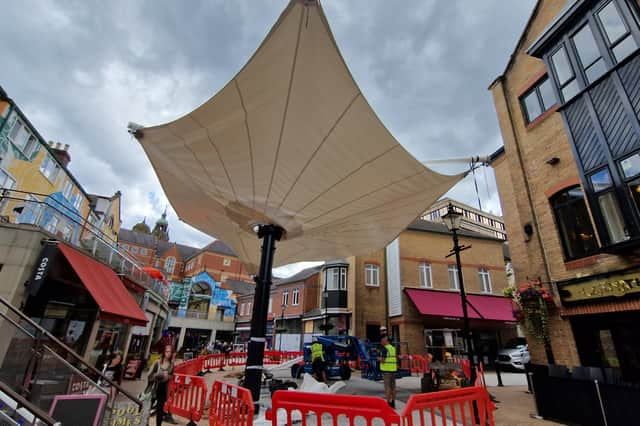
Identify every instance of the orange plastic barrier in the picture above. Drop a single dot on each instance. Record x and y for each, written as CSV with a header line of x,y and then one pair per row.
x,y
404,362
189,368
236,358
418,364
230,405
449,407
212,362
345,407
187,396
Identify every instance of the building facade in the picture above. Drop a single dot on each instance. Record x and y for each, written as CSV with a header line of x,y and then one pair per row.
x,y
472,219
568,105
76,232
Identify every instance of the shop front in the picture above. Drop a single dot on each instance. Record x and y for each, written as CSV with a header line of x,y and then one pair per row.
x,y
491,323
604,311
81,301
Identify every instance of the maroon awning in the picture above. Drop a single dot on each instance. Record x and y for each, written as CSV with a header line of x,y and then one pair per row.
x,y
448,304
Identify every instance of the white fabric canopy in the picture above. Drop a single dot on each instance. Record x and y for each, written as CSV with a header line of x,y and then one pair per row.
x,y
291,141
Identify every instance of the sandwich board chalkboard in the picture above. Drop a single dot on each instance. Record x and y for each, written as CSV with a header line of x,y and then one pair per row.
x,y
78,409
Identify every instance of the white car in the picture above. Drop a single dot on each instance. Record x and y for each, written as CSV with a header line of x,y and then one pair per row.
x,y
514,354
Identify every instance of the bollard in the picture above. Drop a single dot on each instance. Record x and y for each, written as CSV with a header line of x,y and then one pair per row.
x,y
498,375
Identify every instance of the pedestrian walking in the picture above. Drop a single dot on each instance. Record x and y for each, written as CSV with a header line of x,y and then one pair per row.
x,y
113,372
161,373
389,367
318,364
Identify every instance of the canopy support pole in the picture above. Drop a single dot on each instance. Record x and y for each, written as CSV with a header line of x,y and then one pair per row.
x,y
255,353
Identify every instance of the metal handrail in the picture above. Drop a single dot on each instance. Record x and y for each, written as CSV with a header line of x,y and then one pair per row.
x,y
137,273
34,409
69,351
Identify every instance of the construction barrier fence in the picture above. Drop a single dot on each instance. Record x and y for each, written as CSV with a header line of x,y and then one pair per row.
x,y
454,406
187,396
230,405
292,406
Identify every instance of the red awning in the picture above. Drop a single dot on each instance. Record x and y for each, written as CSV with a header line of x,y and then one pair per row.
x,y
448,304
113,299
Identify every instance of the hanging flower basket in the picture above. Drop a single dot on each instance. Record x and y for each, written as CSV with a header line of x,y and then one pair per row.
x,y
534,301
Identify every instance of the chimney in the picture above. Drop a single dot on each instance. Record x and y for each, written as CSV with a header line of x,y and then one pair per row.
x,y
62,154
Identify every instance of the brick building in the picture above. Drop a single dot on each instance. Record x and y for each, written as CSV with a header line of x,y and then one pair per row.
x,y
421,308
568,105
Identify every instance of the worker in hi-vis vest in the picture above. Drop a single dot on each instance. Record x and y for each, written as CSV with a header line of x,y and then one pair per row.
x,y
317,361
389,367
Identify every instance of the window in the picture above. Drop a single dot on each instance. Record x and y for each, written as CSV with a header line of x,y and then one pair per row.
x,y
143,251
424,269
270,309
125,247
454,283
68,188
52,226
158,263
573,223
169,264
335,279
285,297
248,309
50,168
631,171
564,74
241,310
67,231
588,53
372,275
135,250
608,204
6,181
296,297
485,280
77,203
226,262
22,137
617,34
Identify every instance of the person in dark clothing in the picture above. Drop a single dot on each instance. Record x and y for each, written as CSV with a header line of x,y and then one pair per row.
x,y
113,372
226,350
161,372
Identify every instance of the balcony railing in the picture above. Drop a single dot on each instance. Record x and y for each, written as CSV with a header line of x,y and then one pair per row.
x,y
59,218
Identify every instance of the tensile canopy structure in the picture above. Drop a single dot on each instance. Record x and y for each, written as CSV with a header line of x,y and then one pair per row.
x,y
290,150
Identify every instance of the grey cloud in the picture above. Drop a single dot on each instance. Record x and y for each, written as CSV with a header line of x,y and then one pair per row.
x,y
82,69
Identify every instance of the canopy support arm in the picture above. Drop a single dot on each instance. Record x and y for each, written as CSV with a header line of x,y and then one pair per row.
x,y
255,353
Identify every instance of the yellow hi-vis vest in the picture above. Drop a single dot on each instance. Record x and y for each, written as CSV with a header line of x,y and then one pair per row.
x,y
316,351
389,364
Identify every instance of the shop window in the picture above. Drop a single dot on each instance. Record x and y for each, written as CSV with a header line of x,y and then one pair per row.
x,y
608,205
590,58
424,269
617,34
296,297
631,171
565,76
536,101
573,223
170,264
52,226
485,280
454,283
372,275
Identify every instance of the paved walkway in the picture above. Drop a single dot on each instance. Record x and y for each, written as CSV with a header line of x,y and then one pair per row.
x,y
515,407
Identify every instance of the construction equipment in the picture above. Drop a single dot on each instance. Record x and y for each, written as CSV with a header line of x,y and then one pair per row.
x,y
340,352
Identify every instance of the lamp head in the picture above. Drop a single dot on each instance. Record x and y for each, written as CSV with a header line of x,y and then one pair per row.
x,y
452,219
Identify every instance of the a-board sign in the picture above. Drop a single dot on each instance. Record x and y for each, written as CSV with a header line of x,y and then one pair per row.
x,y
78,409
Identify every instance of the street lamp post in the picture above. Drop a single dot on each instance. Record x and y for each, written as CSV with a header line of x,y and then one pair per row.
x,y
282,329
452,221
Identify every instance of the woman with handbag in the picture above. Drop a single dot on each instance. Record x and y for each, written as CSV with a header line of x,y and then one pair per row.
x,y
159,376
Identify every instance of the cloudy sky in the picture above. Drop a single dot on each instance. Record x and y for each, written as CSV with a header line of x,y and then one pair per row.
x,y
80,70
